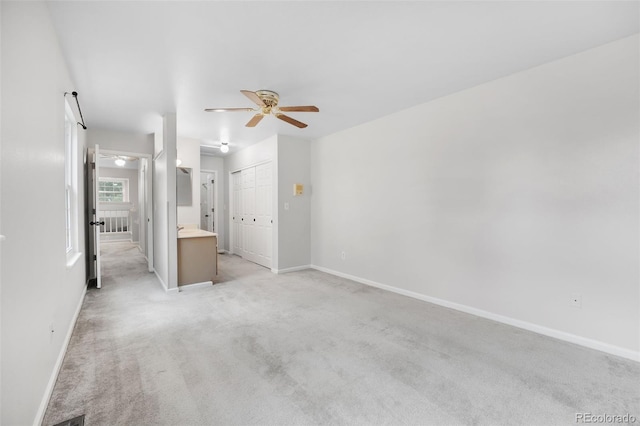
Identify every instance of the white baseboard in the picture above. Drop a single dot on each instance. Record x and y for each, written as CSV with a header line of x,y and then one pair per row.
x,y
164,285
185,287
561,335
58,365
292,269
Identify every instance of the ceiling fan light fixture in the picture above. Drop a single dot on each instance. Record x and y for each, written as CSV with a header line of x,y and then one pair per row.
x,y
120,162
224,147
267,103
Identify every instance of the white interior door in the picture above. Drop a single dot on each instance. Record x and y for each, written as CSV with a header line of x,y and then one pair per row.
x,y
252,214
263,215
207,202
236,214
96,215
248,217
148,210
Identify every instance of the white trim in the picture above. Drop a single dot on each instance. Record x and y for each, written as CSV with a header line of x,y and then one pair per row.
x,y
216,224
72,258
248,166
292,269
164,286
232,232
550,332
56,369
158,155
194,285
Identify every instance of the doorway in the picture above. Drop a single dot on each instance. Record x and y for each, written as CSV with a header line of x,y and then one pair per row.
x,y
208,201
119,205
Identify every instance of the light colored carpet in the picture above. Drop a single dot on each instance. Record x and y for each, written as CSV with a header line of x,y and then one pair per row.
x,y
310,348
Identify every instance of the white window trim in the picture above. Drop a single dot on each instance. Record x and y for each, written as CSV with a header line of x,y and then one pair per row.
x,y
71,187
125,189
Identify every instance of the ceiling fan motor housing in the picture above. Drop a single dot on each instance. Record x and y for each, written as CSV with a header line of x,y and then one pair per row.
x,y
270,98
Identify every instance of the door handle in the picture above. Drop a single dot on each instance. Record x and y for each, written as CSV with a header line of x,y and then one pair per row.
x,y
97,223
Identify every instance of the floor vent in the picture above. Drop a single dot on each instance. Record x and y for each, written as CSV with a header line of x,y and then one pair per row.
x,y
76,421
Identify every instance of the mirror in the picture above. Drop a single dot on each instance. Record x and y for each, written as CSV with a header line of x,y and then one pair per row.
x,y
183,186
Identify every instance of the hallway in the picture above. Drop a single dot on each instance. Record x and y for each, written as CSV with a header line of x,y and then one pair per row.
x,y
125,358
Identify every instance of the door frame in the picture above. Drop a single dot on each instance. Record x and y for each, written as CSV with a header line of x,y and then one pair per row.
x,y
148,204
214,200
274,206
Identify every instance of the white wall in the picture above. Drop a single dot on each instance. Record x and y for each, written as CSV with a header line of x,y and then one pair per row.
x,y
507,198
160,219
216,164
38,290
0,223
294,224
124,142
132,175
189,153
142,217
165,243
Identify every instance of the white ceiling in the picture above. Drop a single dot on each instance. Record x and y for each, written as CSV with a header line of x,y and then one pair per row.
x,y
355,60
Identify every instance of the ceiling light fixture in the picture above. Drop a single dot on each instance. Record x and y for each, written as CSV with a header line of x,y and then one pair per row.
x,y
178,162
224,147
120,162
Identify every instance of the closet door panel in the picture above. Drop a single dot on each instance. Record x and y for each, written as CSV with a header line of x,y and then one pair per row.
x,y
237,213
248,213
253,213
264,206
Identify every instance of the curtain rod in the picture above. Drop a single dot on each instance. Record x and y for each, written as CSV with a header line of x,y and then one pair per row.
x,y
75,95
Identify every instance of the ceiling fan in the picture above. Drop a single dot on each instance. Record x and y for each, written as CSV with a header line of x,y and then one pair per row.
x,y
120,160
267,101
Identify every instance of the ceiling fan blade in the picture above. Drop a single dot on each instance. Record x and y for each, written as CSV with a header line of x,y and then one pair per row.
x,y
291,121
254,97
228,109
307,108
255,120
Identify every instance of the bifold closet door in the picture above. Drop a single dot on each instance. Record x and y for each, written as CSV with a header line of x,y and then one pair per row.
x,y
253,214
248,217
263,215
237,213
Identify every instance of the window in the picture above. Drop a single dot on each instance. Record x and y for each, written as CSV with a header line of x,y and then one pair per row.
x,y
71,182
113,190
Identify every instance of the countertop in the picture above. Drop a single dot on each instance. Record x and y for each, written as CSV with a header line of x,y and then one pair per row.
x,y
195,233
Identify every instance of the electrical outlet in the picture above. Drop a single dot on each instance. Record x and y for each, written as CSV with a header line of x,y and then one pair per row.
x,y
576,300
343,255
